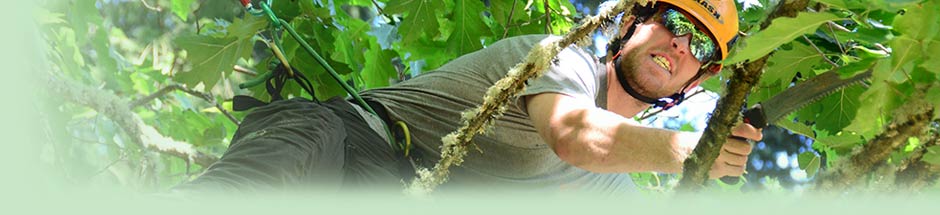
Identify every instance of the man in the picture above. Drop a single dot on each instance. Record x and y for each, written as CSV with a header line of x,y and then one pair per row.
x,y
569,131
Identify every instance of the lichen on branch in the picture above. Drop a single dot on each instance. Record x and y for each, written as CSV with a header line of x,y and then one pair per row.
x,y
476,121
119,111
914,173
848,172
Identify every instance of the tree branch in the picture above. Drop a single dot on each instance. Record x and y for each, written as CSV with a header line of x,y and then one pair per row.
x,y
548,18
914,173
821,54
509,18
476,121
119,111
148,6
876,151
204,96
727,111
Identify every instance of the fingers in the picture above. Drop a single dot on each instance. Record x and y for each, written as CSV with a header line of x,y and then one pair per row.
x,y
737,146
721,169
747,131
732,160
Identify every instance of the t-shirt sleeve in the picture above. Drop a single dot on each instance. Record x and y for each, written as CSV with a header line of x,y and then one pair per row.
x,y
573,72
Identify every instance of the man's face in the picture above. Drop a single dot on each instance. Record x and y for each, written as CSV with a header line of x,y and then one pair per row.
x,y
655,61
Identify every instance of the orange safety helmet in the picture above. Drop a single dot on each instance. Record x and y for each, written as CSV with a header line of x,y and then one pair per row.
x,y
720,17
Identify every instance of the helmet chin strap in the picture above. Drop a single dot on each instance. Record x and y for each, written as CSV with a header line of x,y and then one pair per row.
x,y
665,103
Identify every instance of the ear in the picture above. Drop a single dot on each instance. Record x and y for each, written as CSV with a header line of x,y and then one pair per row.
x,y
714,68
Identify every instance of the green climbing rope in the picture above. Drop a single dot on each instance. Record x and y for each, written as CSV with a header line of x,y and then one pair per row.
x,y
277,24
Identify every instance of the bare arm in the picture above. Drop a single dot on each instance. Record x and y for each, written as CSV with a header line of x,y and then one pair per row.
x,y
601,141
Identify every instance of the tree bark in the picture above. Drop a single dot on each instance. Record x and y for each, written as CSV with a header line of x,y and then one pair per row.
x,y
875,152
915,173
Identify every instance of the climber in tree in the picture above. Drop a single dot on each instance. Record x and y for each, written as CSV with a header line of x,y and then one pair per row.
x,y
568,131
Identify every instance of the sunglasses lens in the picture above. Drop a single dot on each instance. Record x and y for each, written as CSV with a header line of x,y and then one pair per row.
x,y
701,45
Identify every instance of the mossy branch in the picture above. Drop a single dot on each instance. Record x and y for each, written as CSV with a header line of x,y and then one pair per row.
x,y
727,111
119,111
726,114
846,173
915,173
476,121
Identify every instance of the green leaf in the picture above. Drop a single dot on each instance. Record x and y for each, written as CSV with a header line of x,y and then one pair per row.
x,y
784,64
212,57
420,18
468,28
766,90
504,11
809,162
836,3
82,15
379,69
913,22
880,99
933,96
932,156
428,51
932,61
912,144
841,143
905,51
798,128
182,8
351,42
780,31
840,109
319,36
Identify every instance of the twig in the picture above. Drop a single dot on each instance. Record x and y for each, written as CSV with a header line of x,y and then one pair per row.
x,y
243,70
821,54
830,24
525,23
509,18
106,167
548,18
654,113
204,96
377,7
153,8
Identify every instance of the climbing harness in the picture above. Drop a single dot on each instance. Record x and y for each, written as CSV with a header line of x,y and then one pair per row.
x,y
277,78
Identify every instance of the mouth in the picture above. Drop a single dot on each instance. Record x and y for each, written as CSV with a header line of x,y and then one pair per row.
x,y
663,62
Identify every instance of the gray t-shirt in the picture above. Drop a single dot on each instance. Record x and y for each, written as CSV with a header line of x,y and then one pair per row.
x,y
512,155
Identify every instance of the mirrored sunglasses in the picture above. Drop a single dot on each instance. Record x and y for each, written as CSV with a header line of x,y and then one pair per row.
x,y
701,45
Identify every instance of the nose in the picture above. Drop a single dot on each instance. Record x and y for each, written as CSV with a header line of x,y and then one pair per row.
x,y
680,45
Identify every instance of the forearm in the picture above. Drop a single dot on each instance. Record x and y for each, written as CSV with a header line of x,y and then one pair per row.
x,y
601,141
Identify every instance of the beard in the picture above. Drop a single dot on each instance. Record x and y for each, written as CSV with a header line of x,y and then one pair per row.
x,y
642,84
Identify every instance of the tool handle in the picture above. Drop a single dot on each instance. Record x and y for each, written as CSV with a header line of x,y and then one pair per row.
x,y
755,117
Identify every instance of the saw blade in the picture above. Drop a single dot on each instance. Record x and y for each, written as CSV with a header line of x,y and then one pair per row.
x,y
807,92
